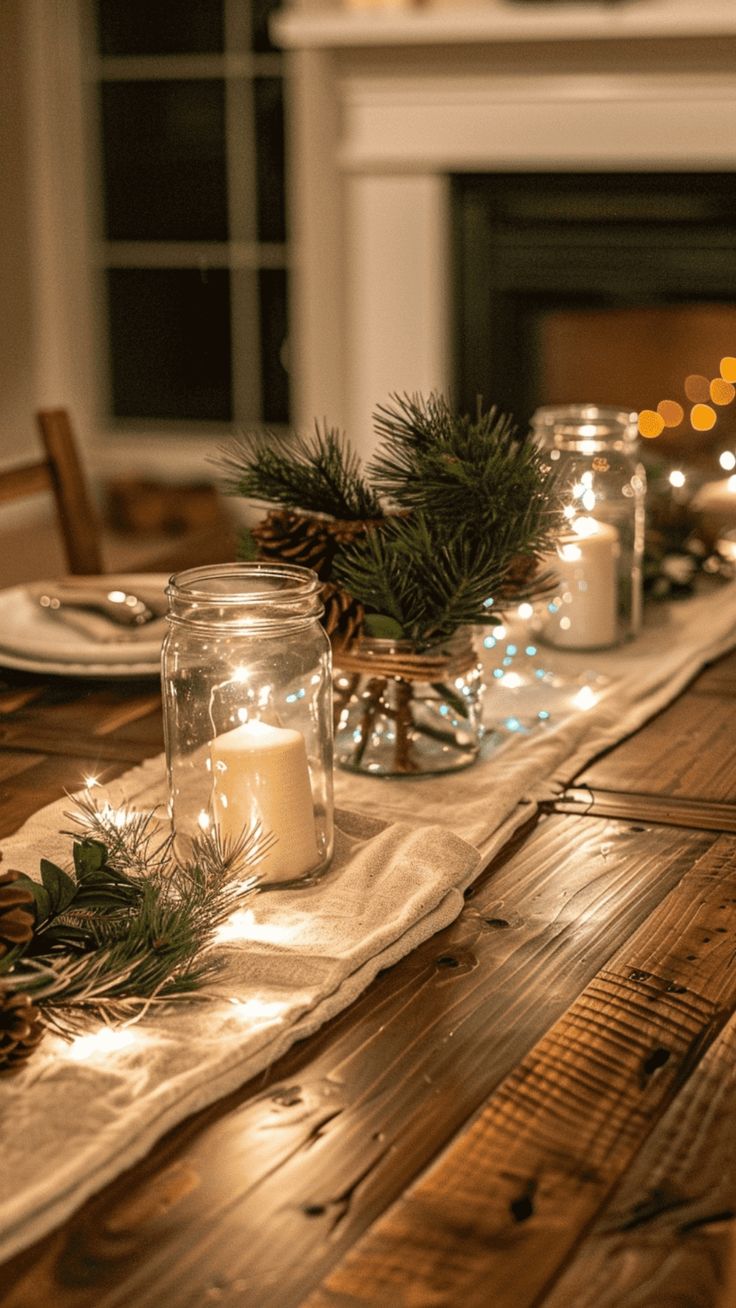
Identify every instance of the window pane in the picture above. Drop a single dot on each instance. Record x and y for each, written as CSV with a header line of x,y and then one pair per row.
x,y
269,117
260,12
170,343
164,160
132,27
272,285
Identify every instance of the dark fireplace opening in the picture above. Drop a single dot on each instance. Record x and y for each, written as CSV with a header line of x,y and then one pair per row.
x,y
611,288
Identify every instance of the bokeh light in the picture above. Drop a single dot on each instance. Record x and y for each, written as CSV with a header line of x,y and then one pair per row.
x,y
702,417
728,368
697,388
650,424
670,412
727,460
722,392
677,478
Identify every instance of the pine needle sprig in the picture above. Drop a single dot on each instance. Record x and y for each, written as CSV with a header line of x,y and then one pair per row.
x,y
320,473
476,472
426,583
132,926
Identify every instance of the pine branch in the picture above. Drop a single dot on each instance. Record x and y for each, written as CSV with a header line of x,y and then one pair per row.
x,y
133,926
319,474
427,583
478,474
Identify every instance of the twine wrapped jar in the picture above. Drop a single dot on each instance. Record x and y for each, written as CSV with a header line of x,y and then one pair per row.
x,y
400,713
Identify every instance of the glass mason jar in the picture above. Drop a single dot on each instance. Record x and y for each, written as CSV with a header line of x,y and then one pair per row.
x,y
399,713
246,676
599,558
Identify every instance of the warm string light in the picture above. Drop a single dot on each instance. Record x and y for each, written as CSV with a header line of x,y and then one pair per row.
x,y
703,393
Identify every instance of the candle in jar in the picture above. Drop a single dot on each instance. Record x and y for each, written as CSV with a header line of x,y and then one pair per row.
x,y
586,565
260,772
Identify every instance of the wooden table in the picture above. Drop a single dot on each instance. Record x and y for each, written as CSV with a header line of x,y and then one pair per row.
x,y
535,1107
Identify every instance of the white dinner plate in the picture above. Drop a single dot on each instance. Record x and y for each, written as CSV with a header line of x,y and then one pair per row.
x,y
36,641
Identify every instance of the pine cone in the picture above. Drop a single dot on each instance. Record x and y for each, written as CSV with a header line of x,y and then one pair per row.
x,y
21,1030
293,538
343,616
16,912
302,538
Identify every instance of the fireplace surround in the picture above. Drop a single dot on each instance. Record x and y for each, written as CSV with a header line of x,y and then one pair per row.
x,y
388,106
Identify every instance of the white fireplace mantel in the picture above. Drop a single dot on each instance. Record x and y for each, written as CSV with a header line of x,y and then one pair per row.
x,y
386,104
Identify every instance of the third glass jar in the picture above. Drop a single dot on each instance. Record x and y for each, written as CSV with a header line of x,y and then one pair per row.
x,y
600,554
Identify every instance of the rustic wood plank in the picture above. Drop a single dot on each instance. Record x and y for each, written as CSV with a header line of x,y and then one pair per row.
x,y
32,785
718,678
703,814
664,1237
505,1205
688,750
292,1169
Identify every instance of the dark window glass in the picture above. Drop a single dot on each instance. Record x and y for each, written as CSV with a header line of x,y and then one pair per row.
x,y
170,343
269,118
164,160
134,27
260,12
272,287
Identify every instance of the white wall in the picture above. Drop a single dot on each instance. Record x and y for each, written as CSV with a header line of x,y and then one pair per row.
x,y
17,325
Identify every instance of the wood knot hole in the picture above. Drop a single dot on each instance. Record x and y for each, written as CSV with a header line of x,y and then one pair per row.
x,y
447,960
314,1210
655,1060
497,922
522,1209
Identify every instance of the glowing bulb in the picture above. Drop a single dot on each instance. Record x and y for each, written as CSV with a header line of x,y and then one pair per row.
x,y
732,485
589,499
587,447
727,460
92,781
511,680
569,511
578,489
203,820
258,1010
588,429
677,478
240,675
242,715
585,698
117,596
108,1040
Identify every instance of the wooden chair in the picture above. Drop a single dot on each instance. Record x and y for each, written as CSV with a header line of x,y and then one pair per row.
x,y
61,473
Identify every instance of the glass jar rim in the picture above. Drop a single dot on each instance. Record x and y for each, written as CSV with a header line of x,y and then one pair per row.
x,y
300,583
586,421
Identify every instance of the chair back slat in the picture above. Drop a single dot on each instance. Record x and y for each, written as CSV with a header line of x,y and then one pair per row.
x,y
29,479
61,473
77,515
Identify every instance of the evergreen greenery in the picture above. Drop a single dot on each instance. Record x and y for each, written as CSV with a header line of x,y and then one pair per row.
x,y
131,926
319,473
467,508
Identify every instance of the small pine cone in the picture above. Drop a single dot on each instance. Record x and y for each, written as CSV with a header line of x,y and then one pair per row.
x,y
343,616
16,912
293,538
21,1029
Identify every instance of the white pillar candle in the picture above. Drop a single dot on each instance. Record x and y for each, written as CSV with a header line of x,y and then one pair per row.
x,y
260,772
586,564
